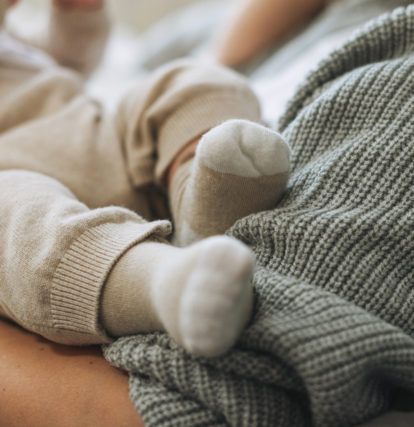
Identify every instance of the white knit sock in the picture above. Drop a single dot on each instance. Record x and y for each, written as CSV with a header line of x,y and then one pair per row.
x,y
201,295
239,168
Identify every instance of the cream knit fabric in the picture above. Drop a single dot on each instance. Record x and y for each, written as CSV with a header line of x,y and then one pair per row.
x,y
77,183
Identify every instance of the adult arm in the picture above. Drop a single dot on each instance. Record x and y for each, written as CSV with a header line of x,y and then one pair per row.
x,y
259,24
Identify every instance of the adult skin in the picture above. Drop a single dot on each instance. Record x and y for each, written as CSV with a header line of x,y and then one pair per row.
x,y
44,384
258,24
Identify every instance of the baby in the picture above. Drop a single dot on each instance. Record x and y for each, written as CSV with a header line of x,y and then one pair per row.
x,y
79,263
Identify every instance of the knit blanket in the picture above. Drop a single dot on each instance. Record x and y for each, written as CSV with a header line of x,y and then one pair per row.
x,y
332,336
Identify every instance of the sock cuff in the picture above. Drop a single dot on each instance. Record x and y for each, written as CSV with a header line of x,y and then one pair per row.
x,y
80,276
196,117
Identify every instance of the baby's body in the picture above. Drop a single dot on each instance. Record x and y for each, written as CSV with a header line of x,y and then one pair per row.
x,y
80,264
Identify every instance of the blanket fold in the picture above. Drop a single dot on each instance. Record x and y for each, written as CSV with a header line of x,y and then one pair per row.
x,y
333,333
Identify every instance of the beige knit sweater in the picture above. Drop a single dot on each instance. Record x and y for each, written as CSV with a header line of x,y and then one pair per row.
x,y
73,178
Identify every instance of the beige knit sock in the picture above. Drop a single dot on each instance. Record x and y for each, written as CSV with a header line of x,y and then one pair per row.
x,y
239,168
201,295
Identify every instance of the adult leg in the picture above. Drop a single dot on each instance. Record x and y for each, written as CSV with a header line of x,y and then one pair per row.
x,y
45,384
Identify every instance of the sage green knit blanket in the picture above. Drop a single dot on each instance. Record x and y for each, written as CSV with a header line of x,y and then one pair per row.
x,y
332,337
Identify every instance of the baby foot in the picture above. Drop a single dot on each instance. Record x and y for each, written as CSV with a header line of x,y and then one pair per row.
x,y
204,299
239,168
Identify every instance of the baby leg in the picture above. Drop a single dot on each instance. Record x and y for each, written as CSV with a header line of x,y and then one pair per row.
x,y
201,295
57,255
82,276
193,292
239,168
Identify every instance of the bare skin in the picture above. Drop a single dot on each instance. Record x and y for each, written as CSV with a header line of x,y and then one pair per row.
x,y
47,385
259,24
185,154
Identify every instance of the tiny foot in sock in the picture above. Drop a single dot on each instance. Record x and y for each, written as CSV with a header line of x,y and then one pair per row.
x,y
245,149
239,168
204,298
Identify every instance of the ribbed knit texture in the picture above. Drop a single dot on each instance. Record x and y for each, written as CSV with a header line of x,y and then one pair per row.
x,y
333,331
203,113
79,277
